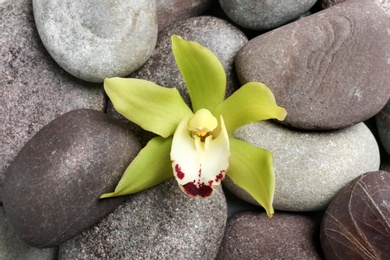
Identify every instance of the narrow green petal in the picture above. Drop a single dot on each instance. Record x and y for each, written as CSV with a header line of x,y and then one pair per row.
x,y
154,108
202,72
251,103
251,169
151,167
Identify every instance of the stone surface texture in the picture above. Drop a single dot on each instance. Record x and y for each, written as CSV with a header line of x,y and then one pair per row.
x,y
158,223
52,188
356,223
34,89
329,70
12,247
384,4
382,120
252,235
310,167
171,11
93,40
264,15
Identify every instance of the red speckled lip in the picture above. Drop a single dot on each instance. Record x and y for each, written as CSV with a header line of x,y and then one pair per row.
x,y
179,173
202,191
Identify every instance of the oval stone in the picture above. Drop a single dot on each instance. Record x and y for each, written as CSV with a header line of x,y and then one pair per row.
x,y
158,223
310,167
264,15
382,120
329,70
52,188
356,223
93,40
252,235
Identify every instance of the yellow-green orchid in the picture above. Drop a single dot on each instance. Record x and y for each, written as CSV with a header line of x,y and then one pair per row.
x,y
196,146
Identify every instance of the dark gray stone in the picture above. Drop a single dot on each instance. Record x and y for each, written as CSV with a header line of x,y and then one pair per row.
x,y
93,40
52,188
252,235
158,223
329,70
382,120
34,89
171,11
356,223
264,15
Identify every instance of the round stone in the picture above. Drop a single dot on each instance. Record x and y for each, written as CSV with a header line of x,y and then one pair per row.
x,y
356,223
158,223
34,89
52,188
310,167
329,70
383,126
98,39
252,235
264,15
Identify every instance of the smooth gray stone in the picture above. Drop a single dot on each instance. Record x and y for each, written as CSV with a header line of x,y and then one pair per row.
x,y
34,89
264,14
93,40
310,167
329,70
158,223
52,188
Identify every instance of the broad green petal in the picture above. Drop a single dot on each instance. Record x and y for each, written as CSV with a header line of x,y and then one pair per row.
x,y
199,166
151,167
251,169
202,72
154,108
251,103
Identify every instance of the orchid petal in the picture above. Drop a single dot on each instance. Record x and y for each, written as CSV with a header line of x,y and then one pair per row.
x,y
151,167
251,169
154,108
251,103
202,72
199,166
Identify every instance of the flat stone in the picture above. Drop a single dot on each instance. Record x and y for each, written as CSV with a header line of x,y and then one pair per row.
x,y
172,11
158,223
356,223
329,70
12,247
310,167
264,15
252,235
222,38
52,188
99,39
384,4
34,89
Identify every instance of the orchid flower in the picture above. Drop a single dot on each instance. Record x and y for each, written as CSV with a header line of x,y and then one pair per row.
x,y
196,146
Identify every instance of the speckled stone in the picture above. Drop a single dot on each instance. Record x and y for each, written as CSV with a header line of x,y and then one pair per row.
x,y
12,247
310,167
264,15
329,70
52,187
356,223
159,223
34,89
93,40
171,11
252,235
222,38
